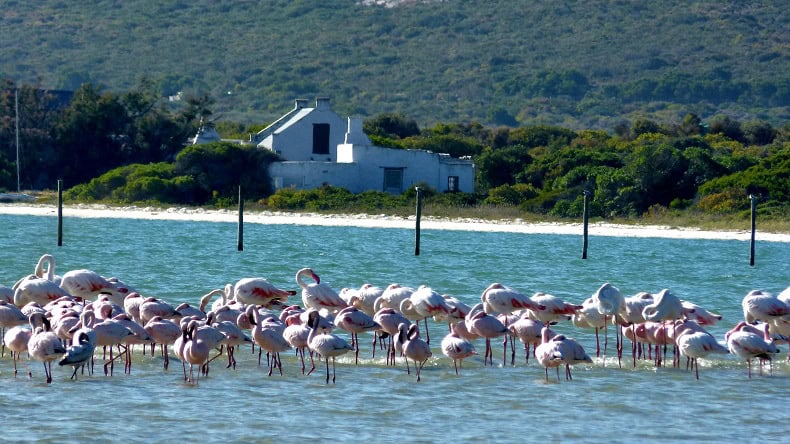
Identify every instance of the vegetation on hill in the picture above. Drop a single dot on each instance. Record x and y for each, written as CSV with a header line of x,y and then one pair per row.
x,y
589,64
129,148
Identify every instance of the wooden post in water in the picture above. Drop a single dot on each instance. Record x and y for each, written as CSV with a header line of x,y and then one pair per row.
x,y
753,198
60,212
417,223
240,236
586,218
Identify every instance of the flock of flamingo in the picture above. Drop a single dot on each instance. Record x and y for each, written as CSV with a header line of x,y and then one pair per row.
x,y
65,319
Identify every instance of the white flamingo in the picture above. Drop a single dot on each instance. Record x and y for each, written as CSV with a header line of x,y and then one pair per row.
x,y
425,302
318,294
43,344
457,348
414,347
325,344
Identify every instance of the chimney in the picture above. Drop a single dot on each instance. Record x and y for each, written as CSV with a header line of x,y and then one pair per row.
x,y
355,135
300,103
322,103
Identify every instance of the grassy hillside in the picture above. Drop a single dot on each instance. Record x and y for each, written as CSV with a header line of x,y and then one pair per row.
x,y
581,64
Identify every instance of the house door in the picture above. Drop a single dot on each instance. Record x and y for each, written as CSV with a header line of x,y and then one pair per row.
x,y
393,180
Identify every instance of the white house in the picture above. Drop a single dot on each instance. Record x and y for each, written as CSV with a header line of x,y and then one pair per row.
x,y
321,148
305,133
351,161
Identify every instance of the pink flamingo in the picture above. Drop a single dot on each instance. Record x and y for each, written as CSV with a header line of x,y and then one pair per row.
x,y
318,295
481,323
572,353
457,348
555,309
696,344
268,334
259,291
389,319
38,290
10,316
325,344
589,317
43,344
16,339
355,321
701,316
151,307
748,345
761,306
665,307
611,304
87,284
296,333
195,350
498,298
548,353
392,296
365,298
414,347
163,332
426,303
529,332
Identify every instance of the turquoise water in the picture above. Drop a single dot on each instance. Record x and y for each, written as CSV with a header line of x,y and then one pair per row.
x,y
180,261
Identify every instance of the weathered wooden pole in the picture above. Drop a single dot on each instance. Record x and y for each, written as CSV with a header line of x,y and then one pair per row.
x,y
586,218
417,223
60,212
753,198
240,236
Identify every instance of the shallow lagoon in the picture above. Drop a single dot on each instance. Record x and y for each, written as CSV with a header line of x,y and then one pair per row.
x,y
180,261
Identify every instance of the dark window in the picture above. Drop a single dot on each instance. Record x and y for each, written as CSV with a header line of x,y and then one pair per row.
x,y
393,180
452,183
320,138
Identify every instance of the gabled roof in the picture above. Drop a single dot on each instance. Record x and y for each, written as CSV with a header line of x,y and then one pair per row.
x,y
298,112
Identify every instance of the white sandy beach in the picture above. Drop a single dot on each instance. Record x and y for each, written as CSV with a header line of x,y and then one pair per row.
x,y
383,221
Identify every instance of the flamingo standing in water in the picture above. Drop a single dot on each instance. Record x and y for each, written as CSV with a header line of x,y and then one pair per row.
x,y
529,332
761,306
457,348
665,307
259,291
296,333
16,339
80,353
268,334
43,344
325,344
426,303
355,321
748,345
484,325
498,298
163,332
697,344
611,304
10,316
318,294
365,298
549,353
87,284
414,347
389,319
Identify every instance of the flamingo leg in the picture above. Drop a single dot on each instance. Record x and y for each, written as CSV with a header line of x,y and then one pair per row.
x,y
605,339
597,343
327,369
427,334
333,370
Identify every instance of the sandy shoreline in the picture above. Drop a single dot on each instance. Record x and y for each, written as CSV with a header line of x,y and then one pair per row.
x,y
382,221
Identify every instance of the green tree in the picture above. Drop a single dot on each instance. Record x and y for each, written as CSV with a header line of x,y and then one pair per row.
x,y
391,125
